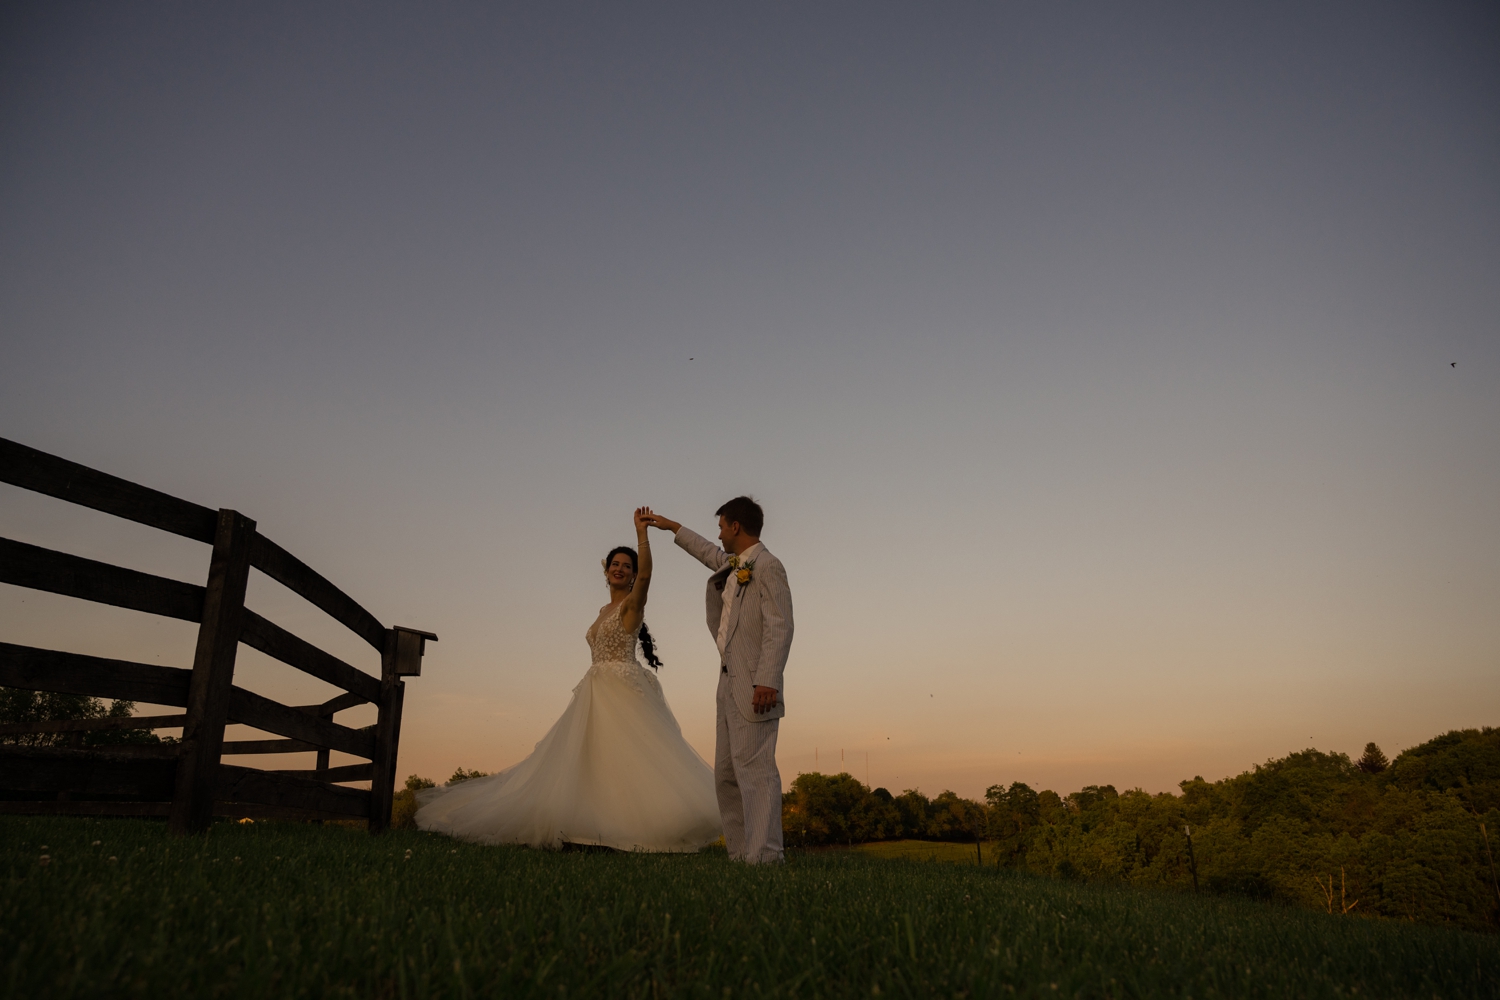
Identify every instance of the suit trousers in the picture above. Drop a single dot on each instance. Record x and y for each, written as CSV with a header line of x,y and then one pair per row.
x,y
747,782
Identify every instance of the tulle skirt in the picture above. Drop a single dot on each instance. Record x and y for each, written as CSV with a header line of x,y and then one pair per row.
x,y
613,771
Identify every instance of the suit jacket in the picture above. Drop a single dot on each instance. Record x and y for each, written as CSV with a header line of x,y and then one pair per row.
x,y
760,622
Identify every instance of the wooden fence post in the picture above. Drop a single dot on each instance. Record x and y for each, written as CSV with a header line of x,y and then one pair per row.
x,y
213,674
321,764
387,735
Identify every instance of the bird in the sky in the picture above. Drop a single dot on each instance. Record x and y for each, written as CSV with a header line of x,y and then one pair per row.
x,y
1453,364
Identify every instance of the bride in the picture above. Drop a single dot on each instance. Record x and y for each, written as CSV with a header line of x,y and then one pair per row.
x,y
614,770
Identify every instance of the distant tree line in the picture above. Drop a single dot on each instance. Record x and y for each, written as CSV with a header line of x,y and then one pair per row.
x,y
1412,838
19,707
404,804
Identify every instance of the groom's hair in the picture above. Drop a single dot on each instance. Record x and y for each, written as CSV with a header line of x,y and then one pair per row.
x,y
747,512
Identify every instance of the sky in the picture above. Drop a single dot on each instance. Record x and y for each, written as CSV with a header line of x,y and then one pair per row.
x,y
1121,382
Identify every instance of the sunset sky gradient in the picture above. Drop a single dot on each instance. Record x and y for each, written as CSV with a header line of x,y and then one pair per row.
x,y
1121,382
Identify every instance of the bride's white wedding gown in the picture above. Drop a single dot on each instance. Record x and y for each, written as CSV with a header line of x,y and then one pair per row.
x,y
614,770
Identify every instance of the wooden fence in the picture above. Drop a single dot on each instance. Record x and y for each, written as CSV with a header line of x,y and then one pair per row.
x,y
187,781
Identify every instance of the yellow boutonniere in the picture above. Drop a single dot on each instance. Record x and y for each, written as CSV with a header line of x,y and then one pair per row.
x,y
742,573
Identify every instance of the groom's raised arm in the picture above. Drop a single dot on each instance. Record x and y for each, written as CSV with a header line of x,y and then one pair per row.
x,y
701,548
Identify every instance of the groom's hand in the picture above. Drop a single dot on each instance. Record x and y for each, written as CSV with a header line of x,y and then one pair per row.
x,y
657,521
764,700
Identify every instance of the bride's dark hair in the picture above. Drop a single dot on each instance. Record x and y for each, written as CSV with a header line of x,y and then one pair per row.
x,y
648,644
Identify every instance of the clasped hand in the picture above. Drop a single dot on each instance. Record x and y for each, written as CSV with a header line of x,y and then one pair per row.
x,y
645,516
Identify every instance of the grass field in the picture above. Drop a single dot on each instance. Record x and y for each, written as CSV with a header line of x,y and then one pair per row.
x,y
924,850
289,910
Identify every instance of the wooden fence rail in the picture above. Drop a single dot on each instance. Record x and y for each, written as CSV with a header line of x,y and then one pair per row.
x,y
187,781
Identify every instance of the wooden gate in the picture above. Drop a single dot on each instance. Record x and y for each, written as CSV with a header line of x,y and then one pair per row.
x,y
187,781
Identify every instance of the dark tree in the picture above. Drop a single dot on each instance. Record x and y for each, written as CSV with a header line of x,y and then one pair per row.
x,y
911,806
1373,761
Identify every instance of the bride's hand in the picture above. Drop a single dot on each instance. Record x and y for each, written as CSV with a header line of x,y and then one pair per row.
x,y
643,519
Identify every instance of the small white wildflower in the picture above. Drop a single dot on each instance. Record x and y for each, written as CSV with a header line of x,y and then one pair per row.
x,y
44,860
113,859
98,842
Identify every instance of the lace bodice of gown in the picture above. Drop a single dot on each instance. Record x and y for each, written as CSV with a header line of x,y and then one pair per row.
x,y
608,640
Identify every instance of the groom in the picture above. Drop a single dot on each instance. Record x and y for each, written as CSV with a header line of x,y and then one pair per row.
x,y
750,618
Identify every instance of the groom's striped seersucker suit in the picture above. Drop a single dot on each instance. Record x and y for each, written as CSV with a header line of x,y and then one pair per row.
x,y
757,641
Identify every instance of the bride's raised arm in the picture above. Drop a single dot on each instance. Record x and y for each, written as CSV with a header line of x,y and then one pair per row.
x,y
634,611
